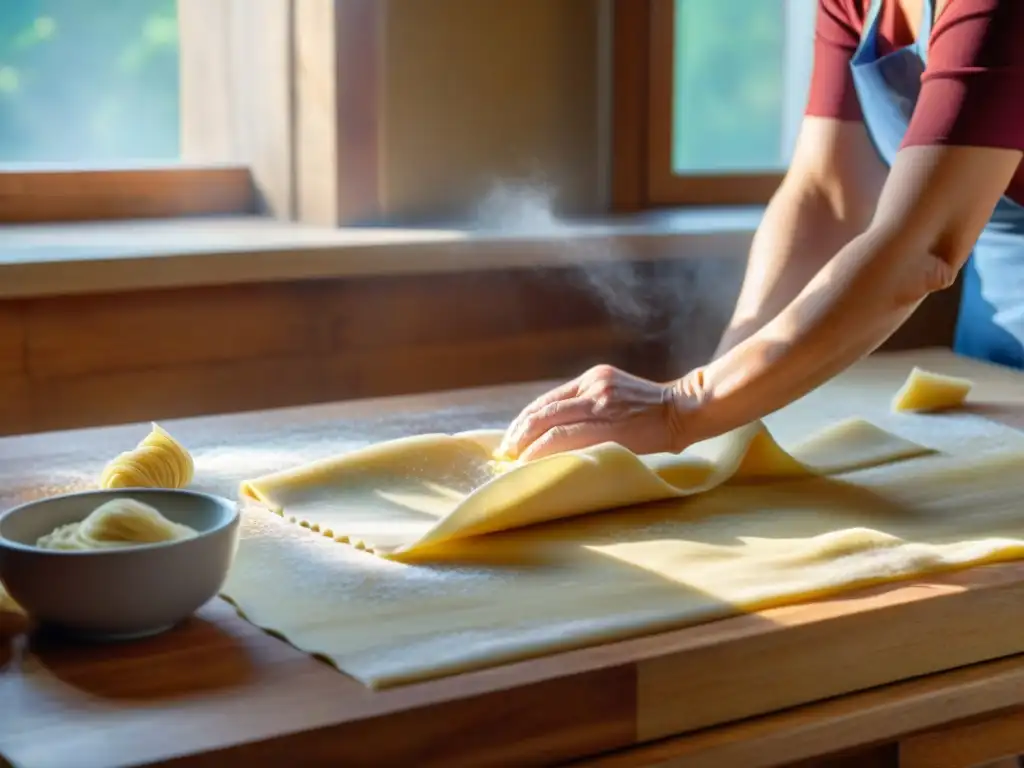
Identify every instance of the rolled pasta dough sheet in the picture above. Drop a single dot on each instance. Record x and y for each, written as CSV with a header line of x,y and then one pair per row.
x,y
409,498
527,592
736,524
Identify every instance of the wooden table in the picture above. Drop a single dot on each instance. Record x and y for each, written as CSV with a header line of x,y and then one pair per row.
x,y
885,665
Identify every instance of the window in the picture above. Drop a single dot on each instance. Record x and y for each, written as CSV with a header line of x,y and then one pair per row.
x,y
90,117
709,97
88,82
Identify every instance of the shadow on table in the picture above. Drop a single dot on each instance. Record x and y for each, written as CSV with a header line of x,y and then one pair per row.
x,y
196,657
1010,414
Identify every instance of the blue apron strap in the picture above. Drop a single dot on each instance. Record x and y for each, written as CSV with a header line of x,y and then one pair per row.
x,y
872,17
924,33
868,35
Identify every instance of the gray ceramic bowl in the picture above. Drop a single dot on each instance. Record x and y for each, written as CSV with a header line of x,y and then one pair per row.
x,y
119,593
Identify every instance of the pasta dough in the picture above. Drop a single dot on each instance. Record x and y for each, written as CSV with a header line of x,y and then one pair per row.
x,y
116,524
880,509
754,542
409,497
928,391
159,461
735,524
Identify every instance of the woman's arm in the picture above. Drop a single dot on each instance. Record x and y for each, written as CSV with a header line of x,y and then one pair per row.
x,y
933,206
807,314
963,145
826,199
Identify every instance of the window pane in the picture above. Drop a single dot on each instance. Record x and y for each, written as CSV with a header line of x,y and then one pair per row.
x,y
88,81
739,91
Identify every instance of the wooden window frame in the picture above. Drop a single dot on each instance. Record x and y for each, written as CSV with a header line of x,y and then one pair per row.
x,y
36,196
39,193
278,117
245,154
642,176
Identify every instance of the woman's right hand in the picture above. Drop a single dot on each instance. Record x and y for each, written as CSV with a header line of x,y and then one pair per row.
x,y
603,405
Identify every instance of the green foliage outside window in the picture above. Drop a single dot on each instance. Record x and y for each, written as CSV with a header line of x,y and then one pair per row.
x,y
88,81
727,110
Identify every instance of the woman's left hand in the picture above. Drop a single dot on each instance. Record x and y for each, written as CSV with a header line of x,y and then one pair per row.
x,y
605,404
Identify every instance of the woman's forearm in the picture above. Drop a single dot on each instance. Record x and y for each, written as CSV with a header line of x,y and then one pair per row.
x,y
800,232
934,205
844,313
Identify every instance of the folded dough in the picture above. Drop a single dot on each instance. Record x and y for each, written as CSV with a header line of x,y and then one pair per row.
x,y
409,498
928,391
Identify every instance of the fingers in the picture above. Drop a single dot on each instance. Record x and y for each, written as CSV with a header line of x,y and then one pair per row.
x,y
556,414
569,437
563,392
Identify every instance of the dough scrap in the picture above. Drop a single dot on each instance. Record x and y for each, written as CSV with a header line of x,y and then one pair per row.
x,y
411,497
158,461
118,523
927,391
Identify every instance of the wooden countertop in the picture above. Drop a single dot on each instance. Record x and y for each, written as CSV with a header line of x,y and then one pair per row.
x,y
219,691
75,258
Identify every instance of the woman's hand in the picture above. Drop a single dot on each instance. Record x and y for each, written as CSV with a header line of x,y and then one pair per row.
x,y
603,405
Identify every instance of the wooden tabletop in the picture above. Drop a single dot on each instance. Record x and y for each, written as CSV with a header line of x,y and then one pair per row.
x,y
218,691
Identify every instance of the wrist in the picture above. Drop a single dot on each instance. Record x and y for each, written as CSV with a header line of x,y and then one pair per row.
x,y
687,399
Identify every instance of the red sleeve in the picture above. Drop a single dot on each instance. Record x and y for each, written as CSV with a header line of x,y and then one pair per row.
x,y
972,91
836,36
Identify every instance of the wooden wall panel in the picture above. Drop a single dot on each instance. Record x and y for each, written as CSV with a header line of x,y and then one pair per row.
x,y
176,391
440,309
132,331
993,742
15,415
12,339
474,94
103,359
523,357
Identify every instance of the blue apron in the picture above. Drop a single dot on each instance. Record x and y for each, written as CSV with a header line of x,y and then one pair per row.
x,y
990,325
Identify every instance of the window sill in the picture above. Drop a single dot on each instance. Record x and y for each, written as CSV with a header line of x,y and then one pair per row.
x,y
104,257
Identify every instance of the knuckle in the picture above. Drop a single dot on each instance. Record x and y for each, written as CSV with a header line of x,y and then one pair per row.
x,y
530,423
555,435
603,393
601,372
553,409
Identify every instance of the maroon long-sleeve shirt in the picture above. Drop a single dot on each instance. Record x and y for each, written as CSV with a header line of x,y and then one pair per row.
x,y
972,90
